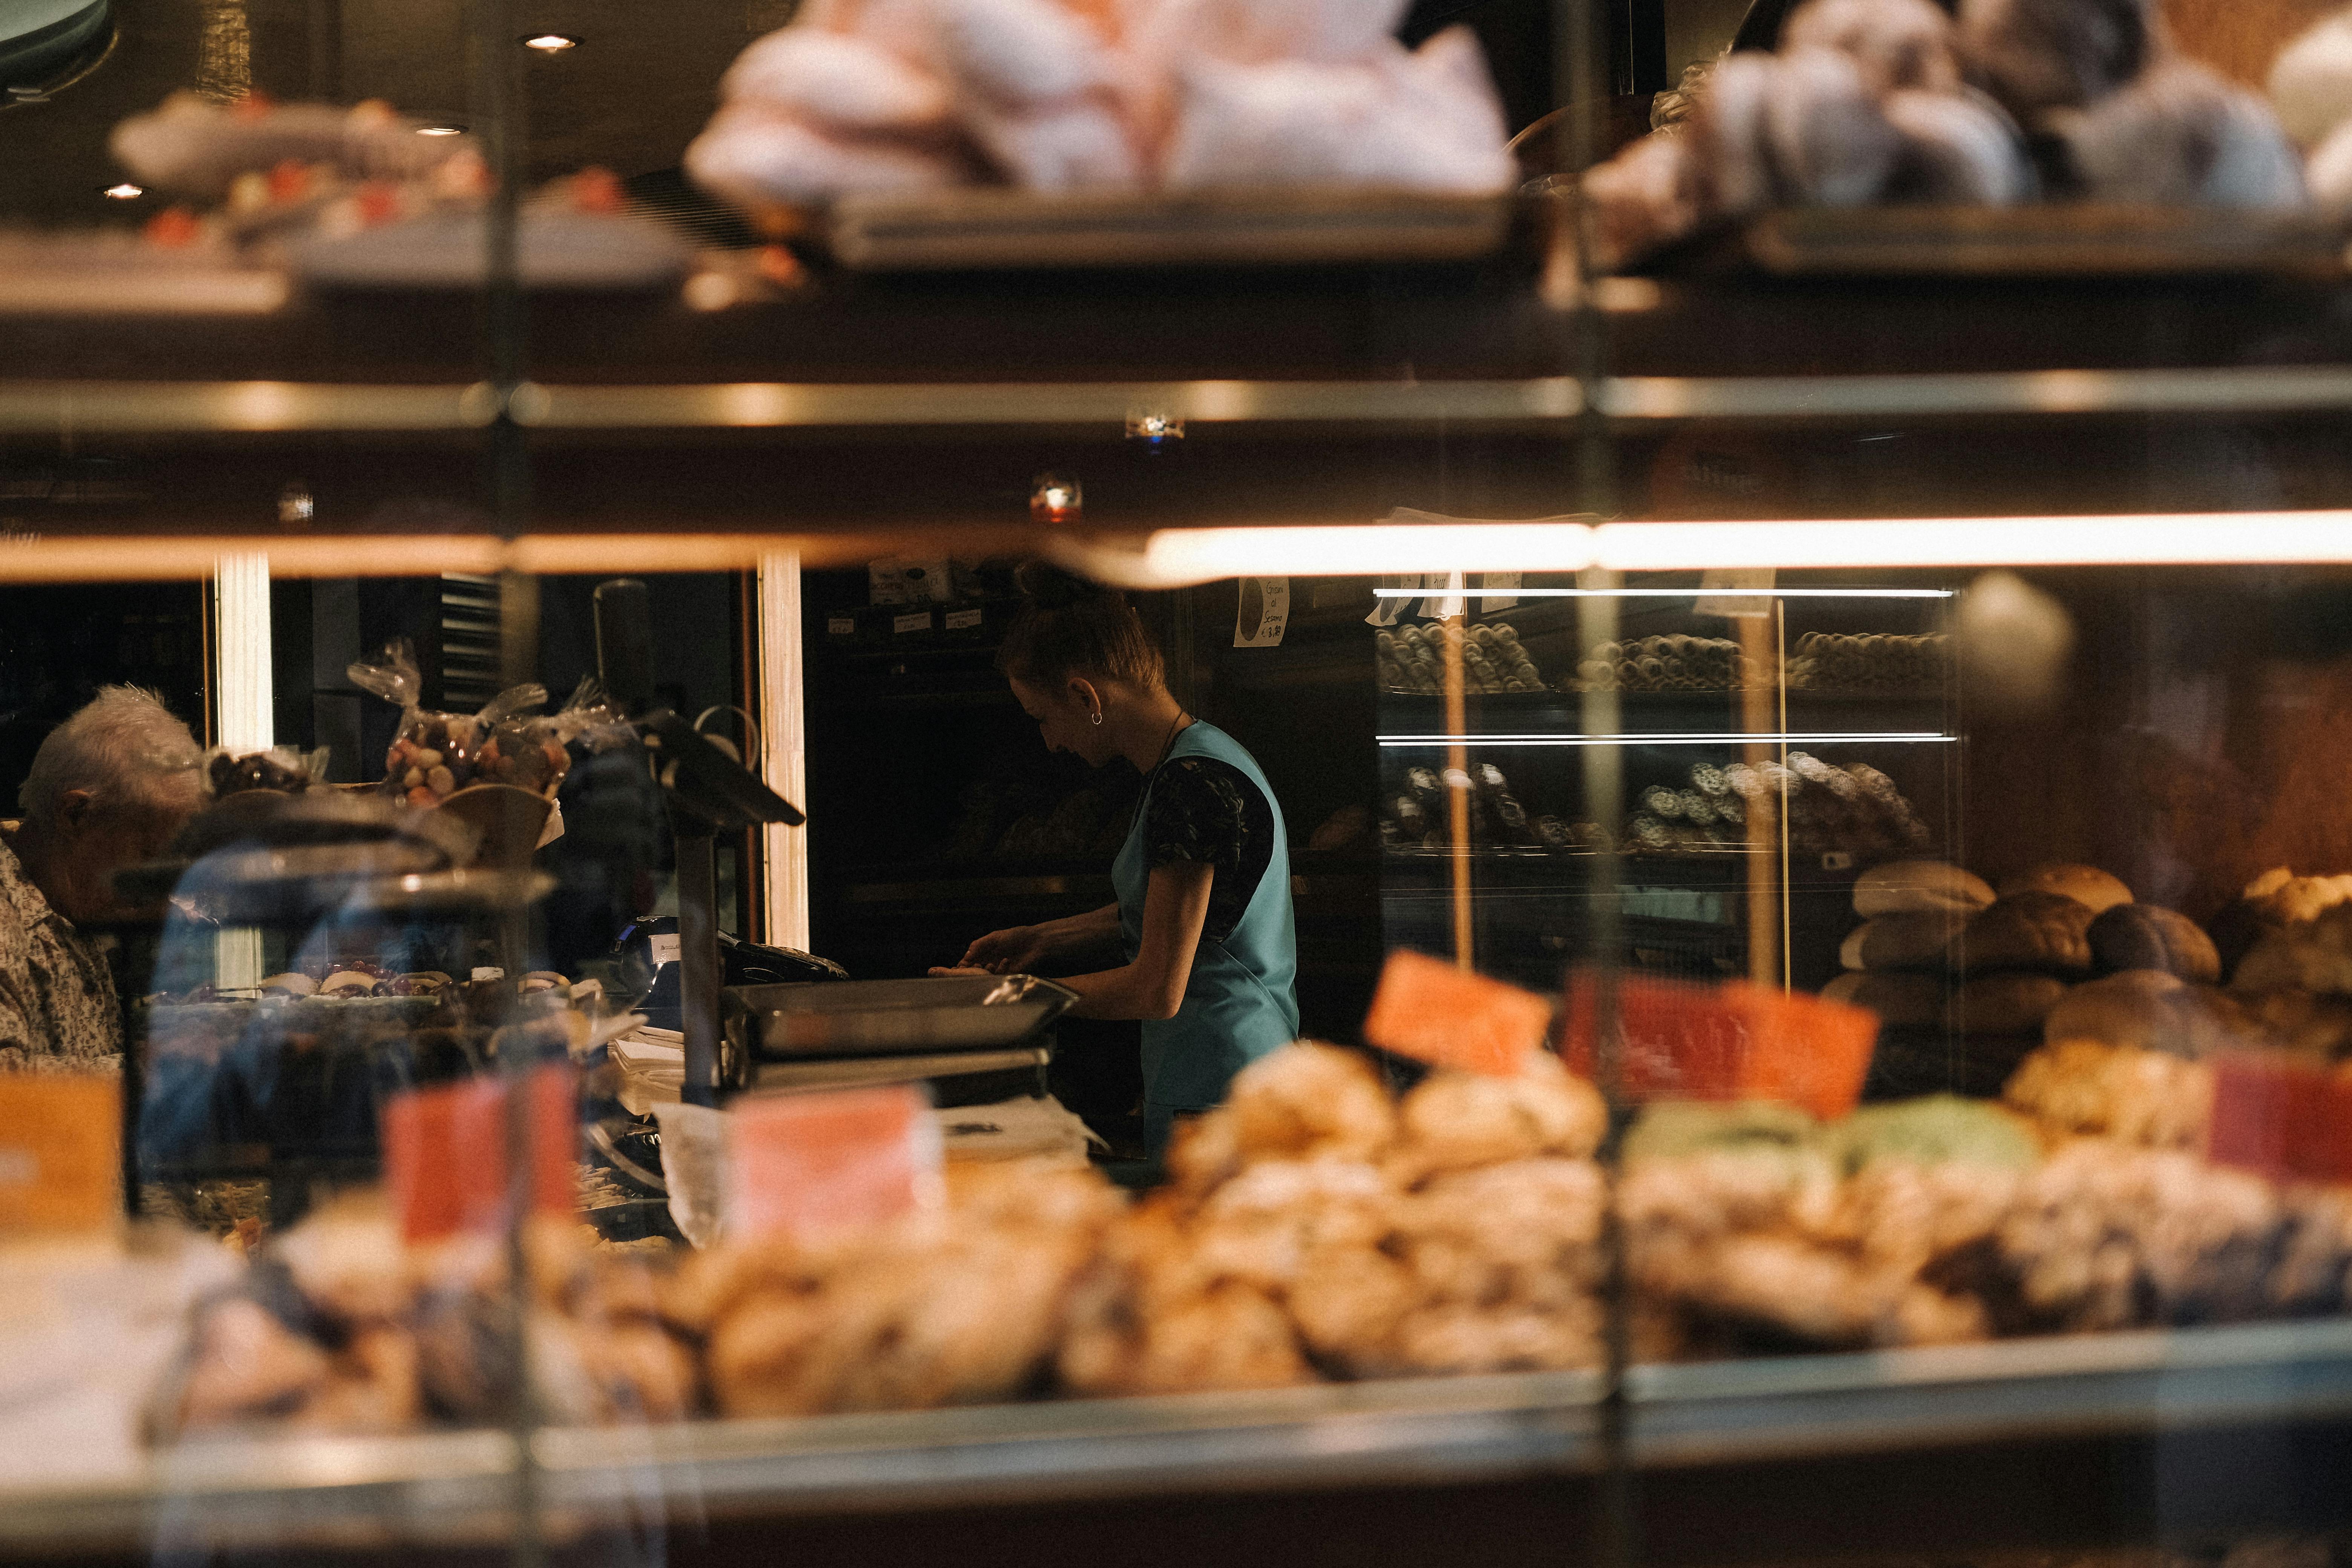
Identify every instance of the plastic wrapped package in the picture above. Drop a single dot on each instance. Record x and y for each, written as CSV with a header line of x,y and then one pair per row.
x,y
437,754
230,771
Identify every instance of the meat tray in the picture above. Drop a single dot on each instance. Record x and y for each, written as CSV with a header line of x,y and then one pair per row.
x,y
889,1018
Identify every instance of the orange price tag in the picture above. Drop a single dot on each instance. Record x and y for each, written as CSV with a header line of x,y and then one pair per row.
x,y
60,1152
809,1166
445,1151
1428,1009
2279,1118
1733,1041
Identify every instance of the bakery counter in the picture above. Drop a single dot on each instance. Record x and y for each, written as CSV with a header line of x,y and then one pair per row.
x,y
1968,1414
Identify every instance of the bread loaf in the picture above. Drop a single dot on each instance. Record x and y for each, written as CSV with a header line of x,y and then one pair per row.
x,y
2143,936
2003,1003
2086,885
2029,931
1912,887
1901,1001
1915,941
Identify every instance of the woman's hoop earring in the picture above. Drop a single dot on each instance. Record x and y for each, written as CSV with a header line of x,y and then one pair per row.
x,y
1095,716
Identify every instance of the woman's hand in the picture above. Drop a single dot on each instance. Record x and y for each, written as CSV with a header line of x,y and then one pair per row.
x,y
1010,952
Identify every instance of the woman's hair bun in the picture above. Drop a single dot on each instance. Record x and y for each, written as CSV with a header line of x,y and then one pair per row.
x,y
1049,587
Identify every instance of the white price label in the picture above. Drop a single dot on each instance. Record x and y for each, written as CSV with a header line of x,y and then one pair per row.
x,y
665,949
1263,612
902,625
842,626
962,620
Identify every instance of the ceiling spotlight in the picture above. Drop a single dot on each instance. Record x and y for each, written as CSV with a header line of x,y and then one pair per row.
x,y
124,192
438,131
551,42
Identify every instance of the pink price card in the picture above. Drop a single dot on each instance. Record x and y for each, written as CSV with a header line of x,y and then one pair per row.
x,y
444,1152
1438,1012
809,1167
2280,1118
1731,1041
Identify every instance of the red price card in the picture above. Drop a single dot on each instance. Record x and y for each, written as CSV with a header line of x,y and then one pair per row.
x,y
444,1152
60,1152
807,1167
1428,1009
1733,1041
2281,1117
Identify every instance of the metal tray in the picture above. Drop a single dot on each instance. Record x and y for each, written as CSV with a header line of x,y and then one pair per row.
x,y
892,1017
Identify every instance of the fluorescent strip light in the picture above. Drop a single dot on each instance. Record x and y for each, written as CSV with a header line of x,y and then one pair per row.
x,y
1669,592
1864,738
2250,538
1173,558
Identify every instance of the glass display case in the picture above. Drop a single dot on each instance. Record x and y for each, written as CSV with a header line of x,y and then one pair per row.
x,y
1808,731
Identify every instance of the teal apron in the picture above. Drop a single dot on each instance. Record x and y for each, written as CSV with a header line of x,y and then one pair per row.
x,y
1239,1003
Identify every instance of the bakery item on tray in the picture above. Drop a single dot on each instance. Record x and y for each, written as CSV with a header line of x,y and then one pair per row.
x,y
2010,1003
2145,936
1917,939
1916,887
1902,1000
2037,931
2086,885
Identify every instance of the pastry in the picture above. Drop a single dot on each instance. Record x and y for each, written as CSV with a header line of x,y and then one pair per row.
x,y
2280,897
1310,1099
2311,81
2136,1007
2143,936
1901,1001
1831,145
2182,135
1909,886
1897,43
2086,885
1917,939
2032,930
1458,1121
1958,150
2140,1097
2003,1003
2316,955
2039,55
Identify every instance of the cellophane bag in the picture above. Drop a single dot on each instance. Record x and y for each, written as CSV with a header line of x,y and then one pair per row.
x,y
230,771
437,754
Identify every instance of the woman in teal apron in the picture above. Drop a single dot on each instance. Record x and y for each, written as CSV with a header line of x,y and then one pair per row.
x,y
1203,919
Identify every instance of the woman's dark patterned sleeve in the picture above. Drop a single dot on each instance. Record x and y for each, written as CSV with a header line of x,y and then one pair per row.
x,y
1197,813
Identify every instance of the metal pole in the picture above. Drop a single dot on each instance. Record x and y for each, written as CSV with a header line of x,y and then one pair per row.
x,y
697,957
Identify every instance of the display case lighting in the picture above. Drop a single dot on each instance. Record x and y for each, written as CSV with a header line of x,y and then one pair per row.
x,y
1173,558
438,131
551,42
1719,738
124,192
1693,592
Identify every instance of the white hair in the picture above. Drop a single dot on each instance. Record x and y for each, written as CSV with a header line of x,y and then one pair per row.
x,y
121,746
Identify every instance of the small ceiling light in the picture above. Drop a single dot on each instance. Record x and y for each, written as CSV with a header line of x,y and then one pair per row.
x,y
438,131
1056,501
125,192
551,42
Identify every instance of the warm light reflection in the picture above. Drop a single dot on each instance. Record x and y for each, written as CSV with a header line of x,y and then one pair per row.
x,y
438,131
551,42
1720,738
1176,558
124,192
1694,592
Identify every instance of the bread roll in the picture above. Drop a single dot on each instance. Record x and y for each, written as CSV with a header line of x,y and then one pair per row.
x,y
2135,1008
1915,941
2003,1003
2086,885
1908,886
2027,931
1901,1001
2143,936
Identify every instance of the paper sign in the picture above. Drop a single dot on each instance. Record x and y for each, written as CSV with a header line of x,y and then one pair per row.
x,y
841,626
2284,1119
60,1152
1733,1041
1428,1009
1717,598
809,1166
444,1152
1263,613
1509,599
919,621
662,947
963,620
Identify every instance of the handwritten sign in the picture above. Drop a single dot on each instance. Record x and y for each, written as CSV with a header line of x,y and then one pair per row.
x,y
1429,1009
1733,1041
2284,1119
810,1167
444,1152
60,1152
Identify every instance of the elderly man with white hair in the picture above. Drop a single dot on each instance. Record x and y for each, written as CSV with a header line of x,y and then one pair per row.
x,y
108,789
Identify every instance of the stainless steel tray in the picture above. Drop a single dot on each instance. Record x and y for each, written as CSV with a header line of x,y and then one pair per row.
x,y
892,1017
